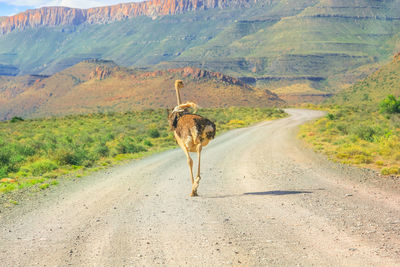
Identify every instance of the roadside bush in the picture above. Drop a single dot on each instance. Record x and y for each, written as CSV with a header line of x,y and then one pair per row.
x,y
330,116
69,157
392,170
148,143
5,155
102,150
343,128
42,166
390,105
128,145
10,159
365,132
3,171
26,150
154,133
16,119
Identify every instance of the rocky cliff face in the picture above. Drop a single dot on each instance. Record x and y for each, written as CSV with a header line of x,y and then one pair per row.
x,y
100,73
53,16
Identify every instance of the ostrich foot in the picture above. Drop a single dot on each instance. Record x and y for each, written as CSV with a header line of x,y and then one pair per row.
x,y
195,186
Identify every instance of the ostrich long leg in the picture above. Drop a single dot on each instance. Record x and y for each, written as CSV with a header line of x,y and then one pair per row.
x,y
197,181
189,161
186,151
199,148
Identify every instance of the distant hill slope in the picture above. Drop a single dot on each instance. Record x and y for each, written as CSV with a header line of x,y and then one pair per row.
x,y
356,129
317,44
374,88
94,86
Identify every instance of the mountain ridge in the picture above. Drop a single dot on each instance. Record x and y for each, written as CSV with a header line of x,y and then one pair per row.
x,y
55,16
326,45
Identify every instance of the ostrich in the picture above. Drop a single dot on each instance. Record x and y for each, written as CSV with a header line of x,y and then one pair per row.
x,y
192,132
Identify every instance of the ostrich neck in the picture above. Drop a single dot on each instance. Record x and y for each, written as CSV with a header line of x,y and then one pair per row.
x,y
178,96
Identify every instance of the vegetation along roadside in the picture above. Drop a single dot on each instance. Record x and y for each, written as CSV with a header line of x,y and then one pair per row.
x,y
35,153
362,126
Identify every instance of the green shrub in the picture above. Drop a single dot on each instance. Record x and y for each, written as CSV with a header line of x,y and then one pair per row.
x,y
343,128
102,150
5,156
5,188
154,133
69,157
88,162
26,150
10,158
391,170
42,166
16,119
365,132
330,116
390,105
148,143
128,145
3,171
44,186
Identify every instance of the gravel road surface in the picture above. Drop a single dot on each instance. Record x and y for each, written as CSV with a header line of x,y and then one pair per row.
x,y
264,200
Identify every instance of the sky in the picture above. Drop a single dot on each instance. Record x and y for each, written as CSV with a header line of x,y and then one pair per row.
x,y
12,7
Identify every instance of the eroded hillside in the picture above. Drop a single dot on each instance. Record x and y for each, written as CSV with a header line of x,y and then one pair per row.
x,y
93,86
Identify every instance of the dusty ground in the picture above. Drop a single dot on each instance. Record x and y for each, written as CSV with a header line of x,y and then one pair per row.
x,y
264,201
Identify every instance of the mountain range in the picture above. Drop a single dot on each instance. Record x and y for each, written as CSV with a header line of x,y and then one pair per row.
x,y
317,46
53,16
102,86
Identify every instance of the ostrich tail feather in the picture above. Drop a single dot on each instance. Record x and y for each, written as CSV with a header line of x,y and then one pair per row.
x,y
185,106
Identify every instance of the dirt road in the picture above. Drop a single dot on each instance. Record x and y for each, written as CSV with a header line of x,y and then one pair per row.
x,y
264,201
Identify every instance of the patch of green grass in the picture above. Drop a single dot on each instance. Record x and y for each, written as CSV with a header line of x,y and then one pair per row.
x,y
41,167
34,153
392,170
44,186
5,188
